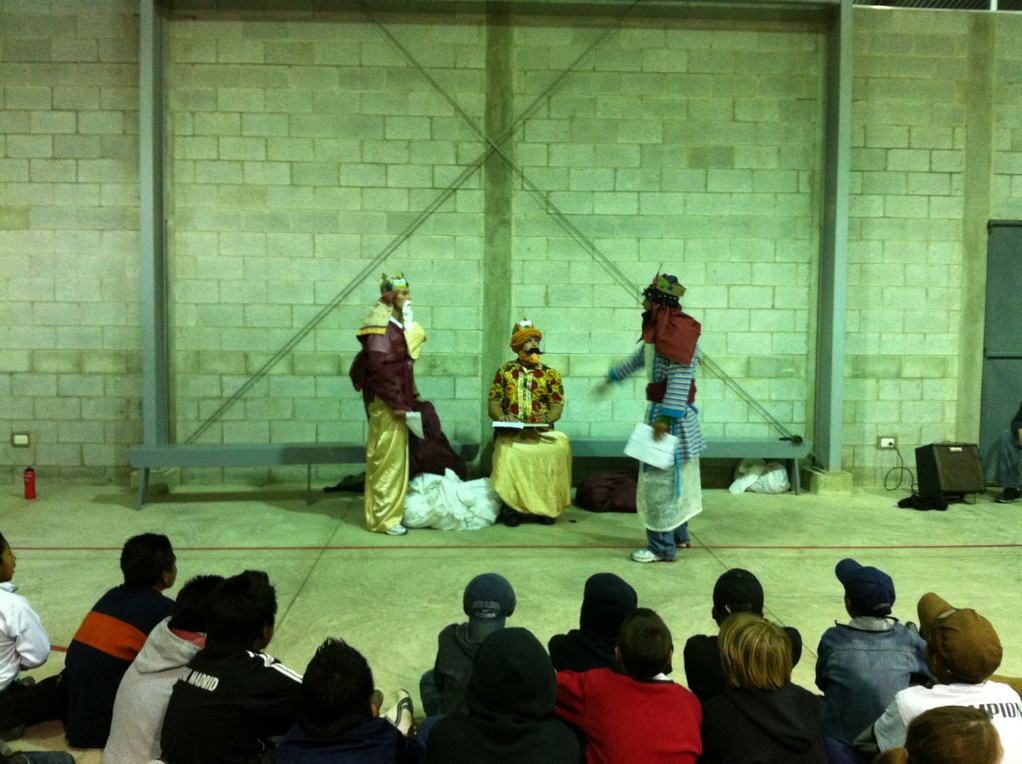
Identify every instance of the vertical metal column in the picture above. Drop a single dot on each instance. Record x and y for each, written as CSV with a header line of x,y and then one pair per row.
x,y
973,318
498,191
155,363
830,340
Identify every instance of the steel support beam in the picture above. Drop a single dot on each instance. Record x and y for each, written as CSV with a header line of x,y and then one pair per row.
x,y
833,283
155,355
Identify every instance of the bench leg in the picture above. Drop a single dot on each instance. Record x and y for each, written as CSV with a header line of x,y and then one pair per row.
x,y
308,484
796,478
143,487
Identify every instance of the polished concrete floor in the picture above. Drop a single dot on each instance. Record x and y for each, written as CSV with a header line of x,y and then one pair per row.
x,y
389,597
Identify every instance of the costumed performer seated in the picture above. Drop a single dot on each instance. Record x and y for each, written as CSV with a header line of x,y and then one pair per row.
x,y
383,372
531,466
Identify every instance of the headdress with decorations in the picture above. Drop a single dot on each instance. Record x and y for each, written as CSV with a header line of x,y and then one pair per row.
x,y
673,332
380,314
524,331
665,290
393,283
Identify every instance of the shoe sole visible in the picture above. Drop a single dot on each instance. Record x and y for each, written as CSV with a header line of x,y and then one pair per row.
x,y
655,559
404,706
392,532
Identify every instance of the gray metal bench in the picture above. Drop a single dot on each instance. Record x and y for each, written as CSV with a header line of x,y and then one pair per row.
x,y
147,458
748,448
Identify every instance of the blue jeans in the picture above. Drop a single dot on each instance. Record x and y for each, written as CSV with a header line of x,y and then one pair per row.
x,y
1008,454
422,735
430,694
839,752
664,543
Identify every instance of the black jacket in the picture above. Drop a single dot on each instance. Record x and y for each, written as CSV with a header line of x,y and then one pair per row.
x,y
510,718
763,727
226,706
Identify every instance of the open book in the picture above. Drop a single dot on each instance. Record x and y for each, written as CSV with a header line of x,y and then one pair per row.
x,y
519,425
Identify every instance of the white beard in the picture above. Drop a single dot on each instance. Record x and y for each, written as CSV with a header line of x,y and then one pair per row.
x,y
406,314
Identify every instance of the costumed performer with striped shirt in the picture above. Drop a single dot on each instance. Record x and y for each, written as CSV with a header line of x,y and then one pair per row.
x,y
668,498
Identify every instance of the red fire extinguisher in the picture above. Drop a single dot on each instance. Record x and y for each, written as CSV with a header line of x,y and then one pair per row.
x,y
29,483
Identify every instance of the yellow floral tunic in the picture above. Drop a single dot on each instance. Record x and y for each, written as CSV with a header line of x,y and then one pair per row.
x,y
527,393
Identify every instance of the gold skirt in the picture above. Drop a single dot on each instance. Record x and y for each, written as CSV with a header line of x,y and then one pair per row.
x,y
386,468
532,471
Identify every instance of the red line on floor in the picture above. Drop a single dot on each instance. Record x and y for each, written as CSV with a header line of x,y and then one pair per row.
x,y
405,548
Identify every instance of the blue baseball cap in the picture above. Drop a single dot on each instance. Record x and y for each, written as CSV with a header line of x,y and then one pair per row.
x,y
870,590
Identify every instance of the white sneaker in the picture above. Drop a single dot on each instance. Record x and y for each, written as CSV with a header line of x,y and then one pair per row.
x,y
402,713
645,555
397,530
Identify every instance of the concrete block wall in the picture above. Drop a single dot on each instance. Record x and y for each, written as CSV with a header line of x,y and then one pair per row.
x,y
918,187
651,157
692,150
906,233
298,152
301,153
1006,160
70,366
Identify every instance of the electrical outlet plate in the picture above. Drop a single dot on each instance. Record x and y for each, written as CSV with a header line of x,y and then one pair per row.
x,y
886,442
20,440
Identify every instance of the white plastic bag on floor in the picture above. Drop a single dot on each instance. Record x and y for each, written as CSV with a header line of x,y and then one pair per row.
x,y
773,480
759,477
448,503
746,473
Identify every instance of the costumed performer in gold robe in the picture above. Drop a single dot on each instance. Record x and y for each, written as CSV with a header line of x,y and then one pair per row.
x,y
383,372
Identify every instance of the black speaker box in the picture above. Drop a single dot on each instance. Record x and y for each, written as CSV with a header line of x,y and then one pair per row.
x,y
949,468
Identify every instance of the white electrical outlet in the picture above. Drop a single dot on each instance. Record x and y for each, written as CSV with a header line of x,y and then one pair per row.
x,y
20,440
888,442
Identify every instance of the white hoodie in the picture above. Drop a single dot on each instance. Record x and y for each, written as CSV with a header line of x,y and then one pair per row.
x,y
143,696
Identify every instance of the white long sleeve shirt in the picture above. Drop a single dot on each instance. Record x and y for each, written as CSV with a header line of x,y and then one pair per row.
x,y
24,642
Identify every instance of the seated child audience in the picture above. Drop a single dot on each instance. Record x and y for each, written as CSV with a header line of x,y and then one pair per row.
x,y
948,735
761,716
606,600
24,644
145,689
736,591
861,665
339,720
112,634
488,600
233,697
962,650
638,716
510,720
